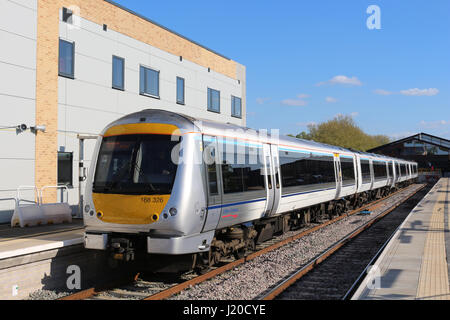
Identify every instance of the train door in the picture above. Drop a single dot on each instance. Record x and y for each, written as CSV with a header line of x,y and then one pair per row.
x,y
276,176
267,161
213,182
338,174
358,172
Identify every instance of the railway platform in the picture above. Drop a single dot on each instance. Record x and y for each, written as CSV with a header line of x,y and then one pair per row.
x,y
414,264
37,258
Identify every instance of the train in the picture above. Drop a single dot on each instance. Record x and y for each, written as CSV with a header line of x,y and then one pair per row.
x,y
168,184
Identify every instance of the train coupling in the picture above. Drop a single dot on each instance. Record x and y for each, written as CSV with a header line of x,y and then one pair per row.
x,y
122,249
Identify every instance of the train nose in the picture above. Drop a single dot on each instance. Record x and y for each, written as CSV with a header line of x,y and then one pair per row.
x,y
129,209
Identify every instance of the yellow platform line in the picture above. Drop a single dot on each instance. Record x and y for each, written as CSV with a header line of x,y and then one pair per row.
x,y
433,279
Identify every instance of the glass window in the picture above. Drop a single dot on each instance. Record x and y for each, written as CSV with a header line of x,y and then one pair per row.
x,y
213,100
209,147
390,170
379,170
118,77
66,58
65,168
365,171
242,170
236,107
149,82
348,171
180,90
136,164
306,171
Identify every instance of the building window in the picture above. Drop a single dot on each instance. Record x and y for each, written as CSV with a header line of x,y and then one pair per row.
x,y
66,58
236,107
118,73
213,100
149,83
180,90
65,168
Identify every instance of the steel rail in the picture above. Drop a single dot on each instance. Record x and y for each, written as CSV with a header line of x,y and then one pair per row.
x,y
280,288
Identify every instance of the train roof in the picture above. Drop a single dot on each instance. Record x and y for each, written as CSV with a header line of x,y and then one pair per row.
x,y
205,126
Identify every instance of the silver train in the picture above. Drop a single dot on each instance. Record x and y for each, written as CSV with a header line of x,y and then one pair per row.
x,y
168,184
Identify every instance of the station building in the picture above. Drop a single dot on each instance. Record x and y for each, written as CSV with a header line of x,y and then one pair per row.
x,y
68,68
430,152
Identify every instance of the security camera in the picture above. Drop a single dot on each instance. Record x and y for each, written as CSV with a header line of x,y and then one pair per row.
x,y
22,127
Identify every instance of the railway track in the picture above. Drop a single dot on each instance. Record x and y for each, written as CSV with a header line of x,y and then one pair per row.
x,y
165,286
337,272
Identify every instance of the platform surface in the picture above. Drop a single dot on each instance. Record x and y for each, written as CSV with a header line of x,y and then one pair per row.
x,y
414,265
16,242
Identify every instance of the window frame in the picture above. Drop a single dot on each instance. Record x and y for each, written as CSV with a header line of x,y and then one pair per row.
x,y
143,93
123,73
233,107
60,73
184,91
209,98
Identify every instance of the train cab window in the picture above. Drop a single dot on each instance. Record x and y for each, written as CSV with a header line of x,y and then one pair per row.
x,y
136,165
306,171
365,171
348,171
379,170
241,168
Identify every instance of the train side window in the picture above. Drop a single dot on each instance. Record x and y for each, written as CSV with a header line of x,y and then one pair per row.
x,y
379,170
391,172
365,171
306,171
241,168
348,171
211,168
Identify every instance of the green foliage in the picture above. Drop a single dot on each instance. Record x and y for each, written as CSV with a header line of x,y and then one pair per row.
x,y
342,131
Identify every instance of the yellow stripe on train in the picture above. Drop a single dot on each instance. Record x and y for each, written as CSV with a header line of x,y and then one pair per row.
x,y
143,128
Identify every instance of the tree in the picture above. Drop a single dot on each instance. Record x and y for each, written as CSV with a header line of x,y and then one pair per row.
x,y
343,131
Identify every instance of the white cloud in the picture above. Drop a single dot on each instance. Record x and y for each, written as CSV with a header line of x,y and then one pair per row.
x,y
342,80
331,100
262,100
354,114
434,124
420,92
383,92
294,102
299,102
306,124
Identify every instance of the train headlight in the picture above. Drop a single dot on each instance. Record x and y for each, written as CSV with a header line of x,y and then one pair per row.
x,y
173,212
87,208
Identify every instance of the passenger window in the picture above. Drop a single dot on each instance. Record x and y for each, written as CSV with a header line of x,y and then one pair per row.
x,y
241,168
211,168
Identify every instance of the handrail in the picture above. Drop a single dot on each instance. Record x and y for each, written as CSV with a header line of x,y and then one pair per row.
x,y
54,187
36,195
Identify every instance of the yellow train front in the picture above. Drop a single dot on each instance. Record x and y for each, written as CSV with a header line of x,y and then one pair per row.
x,y
145,191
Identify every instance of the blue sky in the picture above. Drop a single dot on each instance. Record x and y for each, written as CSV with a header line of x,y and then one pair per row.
x,y
308,61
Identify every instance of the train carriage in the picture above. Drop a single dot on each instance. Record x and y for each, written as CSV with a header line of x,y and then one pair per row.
x,y
170,184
